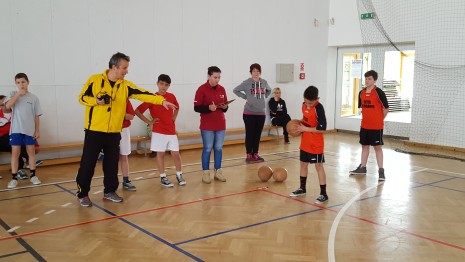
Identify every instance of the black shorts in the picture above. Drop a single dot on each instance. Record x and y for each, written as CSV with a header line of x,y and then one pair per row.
x,y
371,137
311,158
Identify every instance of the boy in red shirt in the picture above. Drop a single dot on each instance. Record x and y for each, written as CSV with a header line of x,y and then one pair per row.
x,y
125,147
164,130
373,102
312,145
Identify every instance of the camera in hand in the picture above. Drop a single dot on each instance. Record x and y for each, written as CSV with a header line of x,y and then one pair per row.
x,y
106,98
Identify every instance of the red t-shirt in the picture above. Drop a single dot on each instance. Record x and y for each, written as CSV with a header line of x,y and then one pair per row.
x,y
372,105
5,124
205,95
165,124
314,116
129,110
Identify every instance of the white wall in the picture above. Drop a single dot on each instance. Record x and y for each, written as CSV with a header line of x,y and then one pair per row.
x,y
60,43
436,28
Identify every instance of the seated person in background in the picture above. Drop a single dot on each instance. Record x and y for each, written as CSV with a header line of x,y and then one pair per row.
x,y
278,112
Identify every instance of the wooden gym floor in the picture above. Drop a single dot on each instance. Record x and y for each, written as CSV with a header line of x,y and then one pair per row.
x,y
417,214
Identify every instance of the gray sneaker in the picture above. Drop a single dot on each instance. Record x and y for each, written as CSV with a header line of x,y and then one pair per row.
x,y
85,201
381,174
360,170
181,180
112,196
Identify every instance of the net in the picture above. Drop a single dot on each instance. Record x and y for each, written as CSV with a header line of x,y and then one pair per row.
x,y
436,32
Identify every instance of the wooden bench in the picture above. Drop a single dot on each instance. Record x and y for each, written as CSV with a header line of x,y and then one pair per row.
x,y
273,128
140,140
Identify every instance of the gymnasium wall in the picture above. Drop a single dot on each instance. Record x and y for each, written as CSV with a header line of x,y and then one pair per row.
x,y
60,43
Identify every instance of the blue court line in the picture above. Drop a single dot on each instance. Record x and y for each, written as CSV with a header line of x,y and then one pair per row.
x,y
432,183
23,243
422,185
140,229
298,214
461,191
248,226
13,254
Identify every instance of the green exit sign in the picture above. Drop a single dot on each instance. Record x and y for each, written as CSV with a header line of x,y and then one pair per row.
x,y
367,16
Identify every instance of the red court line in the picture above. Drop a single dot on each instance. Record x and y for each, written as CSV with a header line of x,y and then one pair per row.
x,y
124,215
370,221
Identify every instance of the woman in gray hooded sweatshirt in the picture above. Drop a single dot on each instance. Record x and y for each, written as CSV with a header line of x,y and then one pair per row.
x,y
254,90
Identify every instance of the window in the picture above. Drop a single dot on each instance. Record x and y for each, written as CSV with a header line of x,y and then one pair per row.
x,y
354,66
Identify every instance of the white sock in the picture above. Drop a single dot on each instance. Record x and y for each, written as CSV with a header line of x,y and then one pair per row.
x,y
163,175
178,173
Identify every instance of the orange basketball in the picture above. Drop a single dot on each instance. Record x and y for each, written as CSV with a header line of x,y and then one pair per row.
x,y
279,174
291,127
265,173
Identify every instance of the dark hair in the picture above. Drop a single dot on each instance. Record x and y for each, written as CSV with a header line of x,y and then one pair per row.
x,y
255,66
311,93
164,78
2,96
372,73
116,58
21,75
213,69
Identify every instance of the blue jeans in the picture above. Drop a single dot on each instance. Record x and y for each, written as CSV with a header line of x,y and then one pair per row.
x,y
212,140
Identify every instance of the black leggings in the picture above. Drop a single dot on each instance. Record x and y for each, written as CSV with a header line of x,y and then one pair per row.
x,y
94,142
253,132
282,121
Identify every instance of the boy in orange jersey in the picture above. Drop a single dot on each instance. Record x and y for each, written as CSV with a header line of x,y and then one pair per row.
x,y
312,143
373,102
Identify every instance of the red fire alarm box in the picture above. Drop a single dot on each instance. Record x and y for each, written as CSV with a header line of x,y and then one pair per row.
x,y
302,76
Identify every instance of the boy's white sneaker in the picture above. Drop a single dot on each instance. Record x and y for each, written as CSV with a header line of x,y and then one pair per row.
x,y
13,183
35,180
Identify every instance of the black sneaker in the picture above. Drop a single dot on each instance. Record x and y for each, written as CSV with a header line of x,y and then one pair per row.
x,y
153,154
321,199
112,196
360,170
164,181
21,175
298,192
129,186
381,174
181,180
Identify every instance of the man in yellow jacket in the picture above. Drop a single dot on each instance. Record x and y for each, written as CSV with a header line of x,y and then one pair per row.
x,y
105,97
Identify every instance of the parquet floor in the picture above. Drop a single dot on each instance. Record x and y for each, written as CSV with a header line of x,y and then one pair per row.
x,y
417,214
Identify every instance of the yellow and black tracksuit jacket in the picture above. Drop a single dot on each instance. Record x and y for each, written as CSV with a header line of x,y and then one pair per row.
x,y
109,118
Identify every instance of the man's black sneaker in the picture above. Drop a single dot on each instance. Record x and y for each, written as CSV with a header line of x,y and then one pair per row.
x,y
112,196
